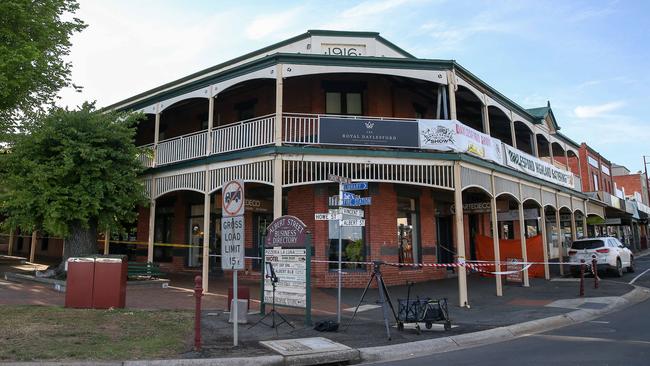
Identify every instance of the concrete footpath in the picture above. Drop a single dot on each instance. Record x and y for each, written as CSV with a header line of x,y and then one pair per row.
x,y
543,306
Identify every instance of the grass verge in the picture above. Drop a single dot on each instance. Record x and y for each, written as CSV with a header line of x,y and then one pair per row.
x,y
54,333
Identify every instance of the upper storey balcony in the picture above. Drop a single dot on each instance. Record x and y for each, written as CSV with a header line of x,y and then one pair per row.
x,y
245,116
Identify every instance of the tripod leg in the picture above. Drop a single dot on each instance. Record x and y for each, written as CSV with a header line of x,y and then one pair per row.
x,y
390,303
381,288
363,295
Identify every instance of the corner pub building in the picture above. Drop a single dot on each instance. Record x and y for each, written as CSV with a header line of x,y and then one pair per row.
x,y
457,170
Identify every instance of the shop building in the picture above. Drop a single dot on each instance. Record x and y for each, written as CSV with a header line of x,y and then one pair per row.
x,y
457,170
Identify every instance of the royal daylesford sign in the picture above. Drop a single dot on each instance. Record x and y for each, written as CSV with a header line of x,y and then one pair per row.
x,y
531,165
368,132
451,135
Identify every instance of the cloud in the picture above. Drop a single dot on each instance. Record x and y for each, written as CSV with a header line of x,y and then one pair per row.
x,y
268,24
368,8
594,111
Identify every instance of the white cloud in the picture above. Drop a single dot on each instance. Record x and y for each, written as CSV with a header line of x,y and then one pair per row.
x,y
594,111
368,8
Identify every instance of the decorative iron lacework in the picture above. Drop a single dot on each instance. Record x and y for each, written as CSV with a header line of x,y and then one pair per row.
x,y
194,181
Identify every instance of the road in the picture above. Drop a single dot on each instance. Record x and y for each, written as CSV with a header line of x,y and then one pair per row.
x,y
620,338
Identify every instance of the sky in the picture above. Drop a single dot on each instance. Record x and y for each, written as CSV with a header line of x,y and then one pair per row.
x,y
588,58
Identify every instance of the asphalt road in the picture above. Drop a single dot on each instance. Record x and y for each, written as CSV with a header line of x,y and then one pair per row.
x,y
620,338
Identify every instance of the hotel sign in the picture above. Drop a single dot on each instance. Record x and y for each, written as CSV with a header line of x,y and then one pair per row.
x,y
368,132
531,165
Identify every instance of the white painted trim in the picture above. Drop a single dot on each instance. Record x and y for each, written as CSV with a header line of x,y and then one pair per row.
x,y
491,102
200,93
490,194
481,96
369,160
292,70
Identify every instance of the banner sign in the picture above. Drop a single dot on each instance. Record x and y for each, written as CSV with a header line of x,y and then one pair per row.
x,y
290,266
531,165
451,135
368,132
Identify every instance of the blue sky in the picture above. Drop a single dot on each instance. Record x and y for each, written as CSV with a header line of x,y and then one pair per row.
x,y
589,58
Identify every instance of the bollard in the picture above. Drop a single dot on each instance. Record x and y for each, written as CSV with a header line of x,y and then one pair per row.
x,y
594,269
198,293
582,278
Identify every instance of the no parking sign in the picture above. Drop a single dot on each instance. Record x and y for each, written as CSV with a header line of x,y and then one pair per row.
x,y
232,226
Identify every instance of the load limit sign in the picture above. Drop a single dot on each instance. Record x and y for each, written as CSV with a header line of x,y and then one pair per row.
x,y
232,225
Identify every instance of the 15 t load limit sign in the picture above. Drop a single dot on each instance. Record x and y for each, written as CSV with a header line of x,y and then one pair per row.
x,y
232,226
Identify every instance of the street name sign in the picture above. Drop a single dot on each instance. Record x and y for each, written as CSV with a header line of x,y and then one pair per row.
x,y
361,201
347,211
358,186
339,179
327,216
353,222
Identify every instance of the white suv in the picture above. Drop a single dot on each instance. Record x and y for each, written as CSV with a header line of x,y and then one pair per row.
x,y
610,255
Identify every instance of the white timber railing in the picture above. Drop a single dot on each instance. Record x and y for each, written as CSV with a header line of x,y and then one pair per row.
x,y
181,148
244,134
300,128
146,155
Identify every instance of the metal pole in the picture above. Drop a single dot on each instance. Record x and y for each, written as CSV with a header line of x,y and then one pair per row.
x,y
198,292
338,297
235,308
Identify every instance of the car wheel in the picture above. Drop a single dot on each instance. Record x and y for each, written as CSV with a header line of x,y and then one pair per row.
x,y
619,268
630,269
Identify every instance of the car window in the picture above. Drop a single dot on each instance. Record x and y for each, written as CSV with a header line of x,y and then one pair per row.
x,y
587,244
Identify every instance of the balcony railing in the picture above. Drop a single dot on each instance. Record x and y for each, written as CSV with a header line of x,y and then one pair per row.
x,y
577,183
182,148
301,129
146,156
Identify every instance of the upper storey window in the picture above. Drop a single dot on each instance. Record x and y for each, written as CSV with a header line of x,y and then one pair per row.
x,y
343,98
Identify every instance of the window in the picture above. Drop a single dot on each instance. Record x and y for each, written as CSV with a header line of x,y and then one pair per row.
x,y
344,98
595,182
408,238
353,245
245,110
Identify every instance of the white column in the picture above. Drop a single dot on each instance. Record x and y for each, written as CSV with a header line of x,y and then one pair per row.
x,y
574,234
512,133
495,240
32,248
533,141
522,239
584,220
547,273
486,119
558,229
206,237
156,137
277,187
460,236
451,87
279,91
208,139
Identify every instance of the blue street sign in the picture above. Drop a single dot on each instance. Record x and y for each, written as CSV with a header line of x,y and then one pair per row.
x,y
349,196
358,186
361,201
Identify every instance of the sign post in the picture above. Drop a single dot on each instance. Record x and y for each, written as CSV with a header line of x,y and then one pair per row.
x,y
232,241
345,199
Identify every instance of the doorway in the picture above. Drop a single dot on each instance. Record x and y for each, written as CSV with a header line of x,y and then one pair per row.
x,y
445,252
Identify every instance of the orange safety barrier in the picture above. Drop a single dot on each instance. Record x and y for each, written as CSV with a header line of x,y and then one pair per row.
x,y
512,249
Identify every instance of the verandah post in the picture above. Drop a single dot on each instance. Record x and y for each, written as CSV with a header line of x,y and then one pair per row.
x,y
460,236
495,239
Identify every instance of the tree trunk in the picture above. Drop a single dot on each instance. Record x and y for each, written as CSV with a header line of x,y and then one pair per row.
x,y
82,241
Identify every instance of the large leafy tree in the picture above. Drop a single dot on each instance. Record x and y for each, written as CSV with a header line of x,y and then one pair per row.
x,y
71,173
34,38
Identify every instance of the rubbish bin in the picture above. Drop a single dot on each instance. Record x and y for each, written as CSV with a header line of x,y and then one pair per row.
x,y
79,283
110,282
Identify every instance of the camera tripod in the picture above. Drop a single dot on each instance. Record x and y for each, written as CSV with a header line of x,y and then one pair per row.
x,y
273,313
384,297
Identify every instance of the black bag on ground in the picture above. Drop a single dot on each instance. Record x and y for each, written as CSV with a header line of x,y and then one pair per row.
x,y
326,326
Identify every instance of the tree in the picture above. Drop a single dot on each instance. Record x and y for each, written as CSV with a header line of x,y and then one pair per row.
x,y
34,38
72,172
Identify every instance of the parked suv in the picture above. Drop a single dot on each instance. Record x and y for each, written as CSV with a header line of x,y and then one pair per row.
x,y
610,255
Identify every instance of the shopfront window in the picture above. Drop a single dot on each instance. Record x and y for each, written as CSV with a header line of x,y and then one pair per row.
x,y
408,239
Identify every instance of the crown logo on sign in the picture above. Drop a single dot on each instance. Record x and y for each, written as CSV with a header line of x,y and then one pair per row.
x,y
370,124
